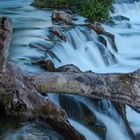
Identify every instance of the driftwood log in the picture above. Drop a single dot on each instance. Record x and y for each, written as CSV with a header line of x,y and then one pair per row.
x,y
20,91
18,95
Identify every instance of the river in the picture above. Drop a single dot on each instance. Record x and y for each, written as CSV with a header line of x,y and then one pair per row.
x,y
85,51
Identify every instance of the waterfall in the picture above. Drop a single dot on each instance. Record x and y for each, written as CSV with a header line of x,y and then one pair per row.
x,y
111,124
88,134
84,49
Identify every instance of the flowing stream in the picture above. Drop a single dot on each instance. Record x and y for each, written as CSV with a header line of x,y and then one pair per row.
x,y
83,49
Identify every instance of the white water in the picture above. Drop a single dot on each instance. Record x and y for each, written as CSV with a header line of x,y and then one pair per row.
x,y
115,127
83,50
87,133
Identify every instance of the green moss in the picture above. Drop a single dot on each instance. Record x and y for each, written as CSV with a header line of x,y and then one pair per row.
x,y
97,10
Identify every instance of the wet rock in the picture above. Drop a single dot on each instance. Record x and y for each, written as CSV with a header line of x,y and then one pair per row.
x,y
99,129
120,18
62,16
58,33
68,68
100,30
48,64
47,50
81,113
138,136
77,110
39,46
102,40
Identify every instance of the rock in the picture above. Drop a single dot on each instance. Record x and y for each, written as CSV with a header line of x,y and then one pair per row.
x,y
120,18
102,40
46,49
100,30
77,110
48,64
137,136
99,129
58,33
62,16
68,68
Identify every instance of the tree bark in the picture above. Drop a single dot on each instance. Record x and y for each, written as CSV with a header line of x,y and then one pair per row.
x,y
121,88
18,96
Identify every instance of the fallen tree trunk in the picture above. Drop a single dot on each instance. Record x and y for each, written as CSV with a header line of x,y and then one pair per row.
x,y
121,88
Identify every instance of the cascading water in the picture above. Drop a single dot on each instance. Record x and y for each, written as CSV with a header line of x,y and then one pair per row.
x,y
85,50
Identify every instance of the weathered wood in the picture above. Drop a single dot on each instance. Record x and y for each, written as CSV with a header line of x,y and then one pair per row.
x,y
121,88
5,39
18,96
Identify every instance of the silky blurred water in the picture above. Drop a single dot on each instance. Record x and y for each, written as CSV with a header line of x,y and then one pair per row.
x,y
83,49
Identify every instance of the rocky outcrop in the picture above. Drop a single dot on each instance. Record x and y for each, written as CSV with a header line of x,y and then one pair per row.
x,y
62,16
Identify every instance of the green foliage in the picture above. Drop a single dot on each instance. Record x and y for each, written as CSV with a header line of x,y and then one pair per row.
x,y
97,10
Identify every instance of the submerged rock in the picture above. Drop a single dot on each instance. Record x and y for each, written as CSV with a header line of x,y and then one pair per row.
x,y
62,16
120,18
77,110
